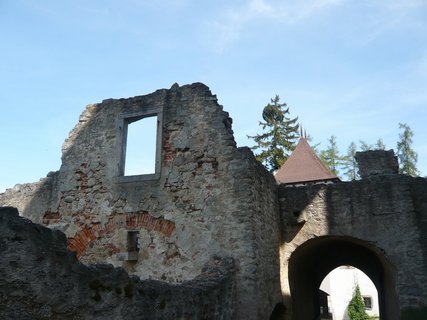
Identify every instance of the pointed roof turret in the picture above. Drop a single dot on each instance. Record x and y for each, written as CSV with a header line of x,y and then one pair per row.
x,y
304,166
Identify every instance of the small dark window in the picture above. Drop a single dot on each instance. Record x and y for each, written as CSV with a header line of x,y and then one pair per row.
x,y
133,241
368,302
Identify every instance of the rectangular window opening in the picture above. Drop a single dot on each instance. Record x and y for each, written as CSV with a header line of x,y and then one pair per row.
x,y
140,152
133,241
368,302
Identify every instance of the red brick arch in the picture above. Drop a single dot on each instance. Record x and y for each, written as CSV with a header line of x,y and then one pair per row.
x,y
129,221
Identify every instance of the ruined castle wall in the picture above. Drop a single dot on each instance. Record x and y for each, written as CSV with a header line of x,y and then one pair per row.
x,y
388,212
206,198
257,210
21,195
41,279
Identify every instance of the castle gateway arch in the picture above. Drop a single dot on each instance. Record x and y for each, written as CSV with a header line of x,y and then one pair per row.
x,y
376,224
314,259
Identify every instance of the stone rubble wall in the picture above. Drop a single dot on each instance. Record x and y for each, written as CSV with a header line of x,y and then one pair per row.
x,y
41,279
388,212
376,162
209,198
21,195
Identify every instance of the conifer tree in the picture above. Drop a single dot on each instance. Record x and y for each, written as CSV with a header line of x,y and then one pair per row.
x,y
407,156
356,307
331,157
364,146
350,164
380,145
278,141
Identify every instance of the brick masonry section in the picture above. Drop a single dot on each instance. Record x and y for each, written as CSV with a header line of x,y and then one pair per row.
x,y
51,218
130,221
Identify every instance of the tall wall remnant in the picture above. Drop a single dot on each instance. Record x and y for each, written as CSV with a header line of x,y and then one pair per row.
x,y
206,197
377,162
207,201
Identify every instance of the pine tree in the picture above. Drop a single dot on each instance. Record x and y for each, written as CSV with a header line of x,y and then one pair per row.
x,y
331,157
407,156
314,146
364,146
380,145
356,307
350,164
279,140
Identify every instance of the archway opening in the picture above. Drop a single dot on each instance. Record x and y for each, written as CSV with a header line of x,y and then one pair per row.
x,y
338,289
311,262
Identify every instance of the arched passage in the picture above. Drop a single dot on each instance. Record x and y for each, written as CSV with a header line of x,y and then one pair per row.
x,y
314,259
338,288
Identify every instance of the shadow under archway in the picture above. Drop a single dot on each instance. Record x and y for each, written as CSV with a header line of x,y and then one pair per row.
x,y
314,259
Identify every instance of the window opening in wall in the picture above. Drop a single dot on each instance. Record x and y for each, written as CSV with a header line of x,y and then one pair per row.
x,y
133,241
368,302
140,154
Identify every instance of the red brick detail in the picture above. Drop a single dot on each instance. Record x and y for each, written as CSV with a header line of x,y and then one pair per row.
x,y
82,239
137,220
168,150
51,217
150,223
111,248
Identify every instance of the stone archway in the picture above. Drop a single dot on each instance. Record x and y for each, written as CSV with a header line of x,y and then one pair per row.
x,y
315,258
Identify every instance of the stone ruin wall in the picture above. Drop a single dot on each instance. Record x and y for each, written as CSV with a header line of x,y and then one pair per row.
x,y
207,199
60,287
387,212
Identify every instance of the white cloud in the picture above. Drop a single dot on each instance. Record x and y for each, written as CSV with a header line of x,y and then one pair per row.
x,y
374,17
385,16
231,24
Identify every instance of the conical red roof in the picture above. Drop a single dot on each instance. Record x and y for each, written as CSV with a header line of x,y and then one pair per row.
x,y
303,166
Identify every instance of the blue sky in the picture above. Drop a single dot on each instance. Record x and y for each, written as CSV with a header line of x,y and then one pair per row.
x,y
353,69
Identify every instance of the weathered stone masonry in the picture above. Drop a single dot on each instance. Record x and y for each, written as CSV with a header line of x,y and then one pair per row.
x,y
41,279
377,224
207,197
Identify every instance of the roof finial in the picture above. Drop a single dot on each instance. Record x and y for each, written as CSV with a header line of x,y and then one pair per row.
x,y
300,127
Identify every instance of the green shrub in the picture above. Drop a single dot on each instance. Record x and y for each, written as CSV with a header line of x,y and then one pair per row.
x,y
356,307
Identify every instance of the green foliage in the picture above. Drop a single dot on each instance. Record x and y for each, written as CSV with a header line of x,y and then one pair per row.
x,y
380,145
356,307
314,146
331,156
364,146
350,165
407,156
279,137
